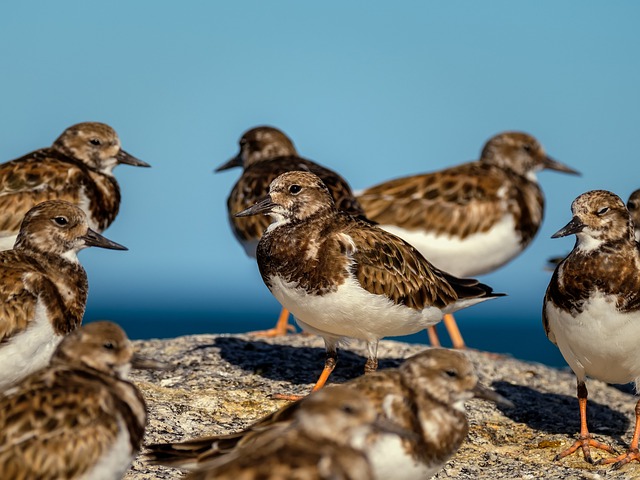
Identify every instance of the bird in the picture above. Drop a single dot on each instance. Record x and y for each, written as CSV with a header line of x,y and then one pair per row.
x,y
43,287
343,277
592,307
327,437
76,168
633,205
79,417
472,218
266,152
425,396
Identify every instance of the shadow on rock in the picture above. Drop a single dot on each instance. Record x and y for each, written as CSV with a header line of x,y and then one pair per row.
x,y
558,414
297,365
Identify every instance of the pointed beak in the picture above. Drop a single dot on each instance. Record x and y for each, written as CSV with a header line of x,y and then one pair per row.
x,y
552,164
128,159
94,239
480,391
234,162
143,363
264,205
573,227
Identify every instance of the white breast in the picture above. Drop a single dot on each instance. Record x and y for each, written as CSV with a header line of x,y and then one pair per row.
x,y
599,342
475,255
7,241
390,460
115,461
29,350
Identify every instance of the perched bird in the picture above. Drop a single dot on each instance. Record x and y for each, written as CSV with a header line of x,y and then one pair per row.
x,y
327,437
79,418
43,287
592,306
76,168
469,219
265,153
425,396
633,205
342,277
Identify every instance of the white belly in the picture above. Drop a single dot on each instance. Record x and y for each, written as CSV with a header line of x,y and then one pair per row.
x,y
351,312
600,342
475,255
115,460
28,351
389,460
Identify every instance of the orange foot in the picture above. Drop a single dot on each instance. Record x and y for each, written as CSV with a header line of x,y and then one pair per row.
x,y
585,442
280,330
623,459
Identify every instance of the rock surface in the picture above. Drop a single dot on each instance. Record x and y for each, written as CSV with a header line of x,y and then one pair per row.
x,y
221,383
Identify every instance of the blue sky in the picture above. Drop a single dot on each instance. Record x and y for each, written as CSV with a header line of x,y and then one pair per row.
x,y
372,91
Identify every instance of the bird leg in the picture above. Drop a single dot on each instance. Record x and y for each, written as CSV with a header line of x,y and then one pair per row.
x,y
454,331
633,453
433,336
280,330
372,360
585,440
329,364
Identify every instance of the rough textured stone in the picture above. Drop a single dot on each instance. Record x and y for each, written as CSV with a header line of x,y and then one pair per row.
x,y
221,383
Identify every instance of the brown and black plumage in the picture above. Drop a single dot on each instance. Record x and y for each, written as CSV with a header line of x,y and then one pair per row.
x,y
472,218
343,277
424,397
79,417
76,168
266,152
43,287
592,307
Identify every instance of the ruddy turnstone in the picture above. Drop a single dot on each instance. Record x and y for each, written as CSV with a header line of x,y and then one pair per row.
x,y
592,306
76,168
326,438
343,277
469,219
79,418
43,287
425,396
265,153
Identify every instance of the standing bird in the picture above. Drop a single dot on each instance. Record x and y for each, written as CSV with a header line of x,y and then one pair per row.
x,y
79,418
43,287
424,397
343,277
76,168
592,306
265,153
469,219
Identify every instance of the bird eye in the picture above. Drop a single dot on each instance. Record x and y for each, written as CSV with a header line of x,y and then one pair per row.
x,y
295,189
348,409
108,345
527,147
451,373
95,141
602,211
62,221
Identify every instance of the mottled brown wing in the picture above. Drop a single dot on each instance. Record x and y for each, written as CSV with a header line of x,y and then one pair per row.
x,y
17,301
44,443
205,449
31,180
254,184
280,455
387,265
457,201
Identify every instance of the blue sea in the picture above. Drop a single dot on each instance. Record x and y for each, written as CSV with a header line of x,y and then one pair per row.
x,y
521,339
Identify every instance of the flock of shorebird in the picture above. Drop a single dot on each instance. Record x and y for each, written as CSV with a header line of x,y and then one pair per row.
x,y
390,260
